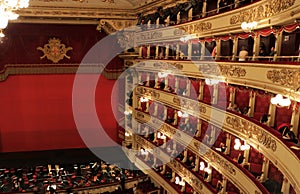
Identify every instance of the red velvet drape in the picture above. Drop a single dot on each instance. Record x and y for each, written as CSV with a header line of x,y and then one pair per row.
x,y
36,112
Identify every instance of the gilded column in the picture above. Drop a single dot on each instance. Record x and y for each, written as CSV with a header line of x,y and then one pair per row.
x,y
167,51
141,52
199,124
215,94
295,119
148,51
272,112
278,45
197,163
218,54
251,104
256,45
201,88
234,48
156,51
231,96
204,8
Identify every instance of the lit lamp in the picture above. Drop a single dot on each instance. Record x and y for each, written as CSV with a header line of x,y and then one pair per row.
x,y
7,11
239,146
248,27
279,101
211,82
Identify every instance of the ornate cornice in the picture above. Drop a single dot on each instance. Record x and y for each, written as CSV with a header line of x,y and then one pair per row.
x,y
195,28
111,26
259,12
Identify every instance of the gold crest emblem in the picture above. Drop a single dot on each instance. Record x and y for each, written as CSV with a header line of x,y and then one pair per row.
x,y
54,50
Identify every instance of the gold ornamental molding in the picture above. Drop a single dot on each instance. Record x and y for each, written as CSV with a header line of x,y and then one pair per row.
x,y
259,12
252,131
40,69
195,28
111,26
221,69
55,50
285,77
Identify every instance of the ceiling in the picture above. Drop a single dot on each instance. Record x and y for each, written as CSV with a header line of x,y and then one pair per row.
x,y
87,11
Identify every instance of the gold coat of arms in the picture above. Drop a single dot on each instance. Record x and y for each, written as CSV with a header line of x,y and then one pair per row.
x,y
55,50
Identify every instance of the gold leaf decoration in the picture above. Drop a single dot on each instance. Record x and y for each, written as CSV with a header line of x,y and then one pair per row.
x,y
55,50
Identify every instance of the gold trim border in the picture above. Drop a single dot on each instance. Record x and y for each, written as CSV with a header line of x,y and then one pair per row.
x,y
39,69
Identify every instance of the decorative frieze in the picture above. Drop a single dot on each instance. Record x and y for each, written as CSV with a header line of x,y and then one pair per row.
x,y
285,77
222,70
195,28
251,130
259,12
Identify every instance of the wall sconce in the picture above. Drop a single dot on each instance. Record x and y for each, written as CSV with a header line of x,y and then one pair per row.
x,y
127,134
182,115
144,99
279,101
144,152
161,136
248,27
212,82
162,74
128,112
239,146
179,182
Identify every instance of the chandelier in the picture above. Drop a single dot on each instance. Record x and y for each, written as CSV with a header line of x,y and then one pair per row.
x,y
7,11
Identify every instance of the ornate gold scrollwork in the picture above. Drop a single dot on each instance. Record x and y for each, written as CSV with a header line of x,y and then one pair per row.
x,y
55,50
285,77
262,11
252,131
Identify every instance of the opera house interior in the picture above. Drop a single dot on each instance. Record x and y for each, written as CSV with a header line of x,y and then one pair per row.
x,y
150,96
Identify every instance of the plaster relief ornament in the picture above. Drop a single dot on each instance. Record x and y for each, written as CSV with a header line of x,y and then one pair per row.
x,y
54,50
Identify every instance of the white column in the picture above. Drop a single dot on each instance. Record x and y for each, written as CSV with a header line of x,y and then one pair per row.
x,y
165,113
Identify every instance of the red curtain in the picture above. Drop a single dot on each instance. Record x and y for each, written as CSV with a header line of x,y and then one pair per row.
x,y
266,32
37,112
